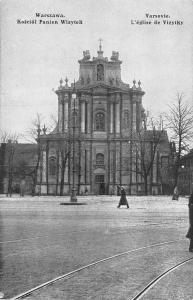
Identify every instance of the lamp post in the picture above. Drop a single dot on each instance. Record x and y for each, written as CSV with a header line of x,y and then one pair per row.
x,y
73,190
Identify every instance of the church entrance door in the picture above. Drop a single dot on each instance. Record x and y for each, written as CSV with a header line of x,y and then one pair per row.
x,y
99,179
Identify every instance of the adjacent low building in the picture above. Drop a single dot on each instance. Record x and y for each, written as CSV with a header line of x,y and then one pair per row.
x,y
185,179
17,163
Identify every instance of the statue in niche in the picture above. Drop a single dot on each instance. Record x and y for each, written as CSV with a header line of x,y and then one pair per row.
x,y
100,72
111,81
88,79
126,119
66,97
82,80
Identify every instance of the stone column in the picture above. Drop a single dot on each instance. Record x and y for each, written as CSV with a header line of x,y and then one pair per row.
x,y
88,115
117,112
82,115
117,174
134,116
66,112
133,169
83,165
155,169
60,102
44,166
111,117
66,172
139,115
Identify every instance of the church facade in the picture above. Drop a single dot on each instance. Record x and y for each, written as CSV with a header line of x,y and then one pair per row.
x,y
91,147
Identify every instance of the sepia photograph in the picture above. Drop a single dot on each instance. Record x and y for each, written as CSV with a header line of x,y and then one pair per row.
x,y
96,149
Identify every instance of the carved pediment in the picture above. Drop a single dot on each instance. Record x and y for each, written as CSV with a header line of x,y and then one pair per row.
x,y
100,90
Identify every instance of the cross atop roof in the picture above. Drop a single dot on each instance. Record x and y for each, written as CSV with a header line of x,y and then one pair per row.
x,y
100,46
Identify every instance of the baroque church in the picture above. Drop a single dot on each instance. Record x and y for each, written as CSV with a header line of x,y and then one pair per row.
x,y
91,148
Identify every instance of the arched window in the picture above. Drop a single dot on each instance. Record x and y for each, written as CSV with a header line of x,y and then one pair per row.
x,y
100,72
52,166
100,159
100,122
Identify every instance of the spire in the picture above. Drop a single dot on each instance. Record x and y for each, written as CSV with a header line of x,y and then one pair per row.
x,y
100,52
139,85
61,82
134,84
100,46
66,80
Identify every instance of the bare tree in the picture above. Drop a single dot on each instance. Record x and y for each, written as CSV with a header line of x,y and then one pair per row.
x,y
63,153
143,148
33,135
179,122
146,149
36,130
10,139
64,148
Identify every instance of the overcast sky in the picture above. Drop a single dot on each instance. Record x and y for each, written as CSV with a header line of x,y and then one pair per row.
x,y
35,56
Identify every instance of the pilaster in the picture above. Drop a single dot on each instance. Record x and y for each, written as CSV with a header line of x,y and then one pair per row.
x,y
60,112
82,104
66,98
117,114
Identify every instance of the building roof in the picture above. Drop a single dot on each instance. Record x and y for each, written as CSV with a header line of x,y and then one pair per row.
x,y
188,155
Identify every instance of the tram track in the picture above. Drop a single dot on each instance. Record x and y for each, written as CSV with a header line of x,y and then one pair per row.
x,y
66,275
152,283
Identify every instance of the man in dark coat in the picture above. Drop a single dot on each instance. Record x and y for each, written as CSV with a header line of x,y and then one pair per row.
x,y
175,194
189,234
123,199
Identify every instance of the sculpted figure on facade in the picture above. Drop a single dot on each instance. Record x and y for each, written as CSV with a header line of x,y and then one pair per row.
x,y
115,56
86,55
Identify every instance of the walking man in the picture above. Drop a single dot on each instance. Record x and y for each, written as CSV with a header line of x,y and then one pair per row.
x,y
175,194
123,199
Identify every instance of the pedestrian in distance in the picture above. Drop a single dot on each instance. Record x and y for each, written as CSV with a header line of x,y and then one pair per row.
x,y
86,191
123,199
189,234
175,194
22,188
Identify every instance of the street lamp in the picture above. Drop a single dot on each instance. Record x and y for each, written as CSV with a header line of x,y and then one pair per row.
x,y
73,190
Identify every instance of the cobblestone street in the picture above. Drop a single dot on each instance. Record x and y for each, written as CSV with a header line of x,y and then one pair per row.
x,y
42,240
